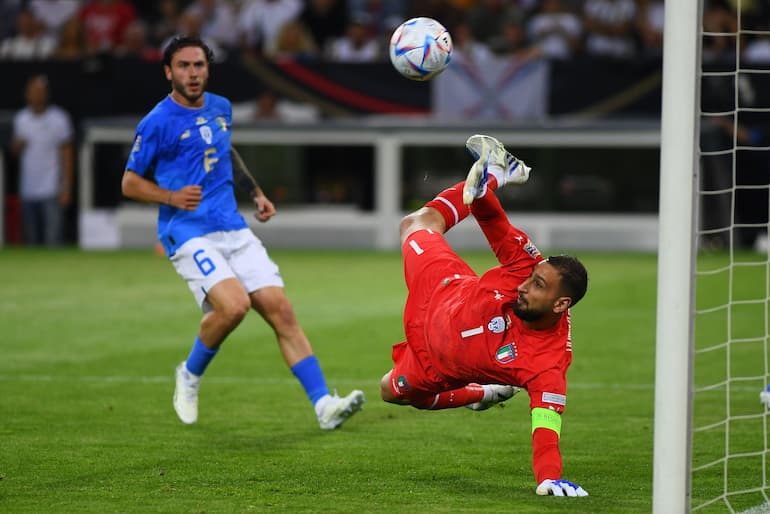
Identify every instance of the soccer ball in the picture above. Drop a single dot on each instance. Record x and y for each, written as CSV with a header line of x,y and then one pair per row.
x,y
420,48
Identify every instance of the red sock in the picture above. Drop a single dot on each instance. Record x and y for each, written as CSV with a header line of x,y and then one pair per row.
x,y
471,393
449,203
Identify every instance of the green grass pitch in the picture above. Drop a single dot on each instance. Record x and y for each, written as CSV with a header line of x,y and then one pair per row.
x,y
90,340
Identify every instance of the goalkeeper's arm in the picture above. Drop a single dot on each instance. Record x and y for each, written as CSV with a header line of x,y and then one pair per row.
x,y
546,456
247,183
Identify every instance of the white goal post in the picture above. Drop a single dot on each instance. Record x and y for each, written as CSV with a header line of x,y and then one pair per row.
x,y
679,132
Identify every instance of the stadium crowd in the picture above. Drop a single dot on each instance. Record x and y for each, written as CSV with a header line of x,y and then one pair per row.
x,y
358,30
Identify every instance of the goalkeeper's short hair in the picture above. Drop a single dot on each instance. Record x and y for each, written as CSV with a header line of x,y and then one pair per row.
x,y
574,277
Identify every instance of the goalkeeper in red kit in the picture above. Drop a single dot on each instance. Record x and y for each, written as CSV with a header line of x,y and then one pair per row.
x,y
475,341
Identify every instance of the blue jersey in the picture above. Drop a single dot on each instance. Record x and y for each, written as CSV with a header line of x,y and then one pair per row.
x,y
189,146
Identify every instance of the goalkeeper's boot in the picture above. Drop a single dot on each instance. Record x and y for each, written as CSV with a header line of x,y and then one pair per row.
x,y
186,395
333,411
491,158
494,394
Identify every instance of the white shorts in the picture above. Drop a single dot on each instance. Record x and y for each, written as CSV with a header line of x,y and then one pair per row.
x,y
205,261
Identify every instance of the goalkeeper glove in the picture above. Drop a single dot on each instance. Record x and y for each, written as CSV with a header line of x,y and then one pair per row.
x,y
559,488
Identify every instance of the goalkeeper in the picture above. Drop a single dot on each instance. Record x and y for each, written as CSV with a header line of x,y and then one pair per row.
x,y
475,341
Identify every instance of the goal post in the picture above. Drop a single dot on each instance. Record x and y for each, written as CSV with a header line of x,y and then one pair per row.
x,y
676,242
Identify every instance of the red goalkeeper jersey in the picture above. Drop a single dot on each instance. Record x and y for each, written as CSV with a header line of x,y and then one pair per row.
x,y
469,330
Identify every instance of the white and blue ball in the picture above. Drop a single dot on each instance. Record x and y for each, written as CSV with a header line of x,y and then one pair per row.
x,y
420,48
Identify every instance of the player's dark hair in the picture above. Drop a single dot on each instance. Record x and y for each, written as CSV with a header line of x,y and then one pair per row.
x,y
574,277
183,41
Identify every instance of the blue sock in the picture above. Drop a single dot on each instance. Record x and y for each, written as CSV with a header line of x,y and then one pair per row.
x,y
199,357
309,373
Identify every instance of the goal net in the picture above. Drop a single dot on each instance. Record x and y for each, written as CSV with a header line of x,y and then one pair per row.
x,y
716,364
730,358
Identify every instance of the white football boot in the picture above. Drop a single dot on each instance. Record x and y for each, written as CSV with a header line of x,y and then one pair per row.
x,y
497,393
333,411
186,395
491,157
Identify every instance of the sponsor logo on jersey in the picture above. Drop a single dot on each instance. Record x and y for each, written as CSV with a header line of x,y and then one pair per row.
x,y
137,144
206,134
200,120
496,325
499,295
184,135
221,123
555,398
531,249
506,354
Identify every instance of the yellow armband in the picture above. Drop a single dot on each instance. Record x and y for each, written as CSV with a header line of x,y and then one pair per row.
x,y
546,418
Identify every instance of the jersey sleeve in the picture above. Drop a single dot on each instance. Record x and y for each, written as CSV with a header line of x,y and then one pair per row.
x,y
145,149
510,244
548,390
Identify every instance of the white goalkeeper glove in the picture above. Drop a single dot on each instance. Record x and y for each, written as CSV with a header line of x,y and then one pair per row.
x,y
559,488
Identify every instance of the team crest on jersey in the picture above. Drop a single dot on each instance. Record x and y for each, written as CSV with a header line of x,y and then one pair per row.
x,y
400,383
206,134
496,325
221,123
200,120
506,354
531,249
137,144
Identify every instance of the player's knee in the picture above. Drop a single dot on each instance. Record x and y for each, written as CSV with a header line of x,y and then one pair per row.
x,y
235,310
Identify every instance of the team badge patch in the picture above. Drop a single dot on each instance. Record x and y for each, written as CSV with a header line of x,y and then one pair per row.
x,y
496,325
206,134
400,384
531,249
506,354
221,123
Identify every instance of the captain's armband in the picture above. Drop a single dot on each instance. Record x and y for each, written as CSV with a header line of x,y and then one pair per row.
x,y
546,418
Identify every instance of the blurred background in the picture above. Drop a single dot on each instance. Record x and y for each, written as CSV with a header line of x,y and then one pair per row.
x,y
344,145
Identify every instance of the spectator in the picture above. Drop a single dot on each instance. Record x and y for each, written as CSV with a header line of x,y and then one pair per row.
x,y
191,24
609,26
356,45
104,22
720,27
269,106
650,26
42,138
757,49
136,45
384,15
72,43
555,30
53,14
512,39
30,42
292,41
487,19
218,21
327,21
467,47
260,21
165,23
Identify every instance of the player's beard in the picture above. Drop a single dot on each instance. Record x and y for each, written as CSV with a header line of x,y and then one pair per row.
x,y
179,87
525,314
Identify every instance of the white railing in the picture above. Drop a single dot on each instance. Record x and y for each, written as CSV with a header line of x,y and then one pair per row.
x,y
133,225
